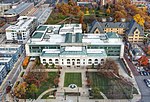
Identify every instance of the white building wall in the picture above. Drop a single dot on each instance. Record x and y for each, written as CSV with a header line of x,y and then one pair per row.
x,y
72,61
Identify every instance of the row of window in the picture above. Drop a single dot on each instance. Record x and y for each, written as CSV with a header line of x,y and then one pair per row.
x,y
73,60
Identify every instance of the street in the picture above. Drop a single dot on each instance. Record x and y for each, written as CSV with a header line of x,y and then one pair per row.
x,y
145,91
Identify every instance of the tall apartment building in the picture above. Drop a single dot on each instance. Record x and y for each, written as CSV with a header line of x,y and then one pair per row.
x,y
22,30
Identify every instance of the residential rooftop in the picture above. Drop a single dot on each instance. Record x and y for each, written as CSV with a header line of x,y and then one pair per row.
x,y
1,67
5,59
5,46
37,35
20,8
22,24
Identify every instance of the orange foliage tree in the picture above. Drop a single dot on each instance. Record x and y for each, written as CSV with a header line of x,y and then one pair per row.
x,y
26,61
143,60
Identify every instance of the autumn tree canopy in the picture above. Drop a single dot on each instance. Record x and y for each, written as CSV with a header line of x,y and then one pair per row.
x,y
110,66
139,19
143,60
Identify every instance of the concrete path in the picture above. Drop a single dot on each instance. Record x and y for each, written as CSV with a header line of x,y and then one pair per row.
x,y
49,90
103,95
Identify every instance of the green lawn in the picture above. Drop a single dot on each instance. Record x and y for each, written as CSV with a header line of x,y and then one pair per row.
x,y
113,88
73,78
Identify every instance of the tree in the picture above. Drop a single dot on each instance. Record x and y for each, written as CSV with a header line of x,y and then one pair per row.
x,y
81,17
143,60
20,90
110,66
108,11
96,91
56,81
36,78
53,66
139,19
33,89
86,11
46,65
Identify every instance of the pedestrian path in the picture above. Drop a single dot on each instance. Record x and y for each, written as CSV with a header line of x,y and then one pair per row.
x,y
49,90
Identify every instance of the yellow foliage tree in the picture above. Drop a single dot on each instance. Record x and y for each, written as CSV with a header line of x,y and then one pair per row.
x,y
139,19
86,11
108,11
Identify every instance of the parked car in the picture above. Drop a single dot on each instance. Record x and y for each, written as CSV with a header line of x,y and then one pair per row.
x,y
144,73
147,82
141,73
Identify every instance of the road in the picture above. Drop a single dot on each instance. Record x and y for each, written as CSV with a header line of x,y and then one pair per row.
x,y
145,91
12,76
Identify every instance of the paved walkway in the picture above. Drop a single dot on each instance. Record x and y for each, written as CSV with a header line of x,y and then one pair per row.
x,y
60,97
49,90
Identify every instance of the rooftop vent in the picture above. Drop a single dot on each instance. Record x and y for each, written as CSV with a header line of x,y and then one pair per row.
x,y
123,19
103,19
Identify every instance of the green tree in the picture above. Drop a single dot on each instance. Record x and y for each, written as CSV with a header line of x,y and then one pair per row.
x,y
96,91
33,90
46,65
53,66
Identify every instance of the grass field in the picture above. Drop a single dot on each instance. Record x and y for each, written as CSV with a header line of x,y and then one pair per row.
x,y
113,88
73,78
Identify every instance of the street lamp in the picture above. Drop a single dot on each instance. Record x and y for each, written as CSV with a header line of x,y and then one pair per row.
x,y
78,95
65,94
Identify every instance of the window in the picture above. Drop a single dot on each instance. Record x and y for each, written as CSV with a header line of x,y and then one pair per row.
x,y
50,61
44,59
102,61
136,32
96,61
78,61
68,61
56,61
90,61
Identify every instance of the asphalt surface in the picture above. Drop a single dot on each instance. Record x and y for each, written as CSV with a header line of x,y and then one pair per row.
x,y
145,91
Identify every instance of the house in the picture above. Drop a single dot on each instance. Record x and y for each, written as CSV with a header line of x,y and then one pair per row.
x,y
131,30
135,32
136,52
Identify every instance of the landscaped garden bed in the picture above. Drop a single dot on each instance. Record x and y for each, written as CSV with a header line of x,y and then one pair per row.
x,y
112,87
73,78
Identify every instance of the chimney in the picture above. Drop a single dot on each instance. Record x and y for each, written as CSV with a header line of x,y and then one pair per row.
x,y
103,19
123,19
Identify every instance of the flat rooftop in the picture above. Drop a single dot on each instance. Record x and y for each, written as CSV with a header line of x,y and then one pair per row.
x,y
7,52
20,8
1,67
41,28
37,35
9,46
23,23
5,59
